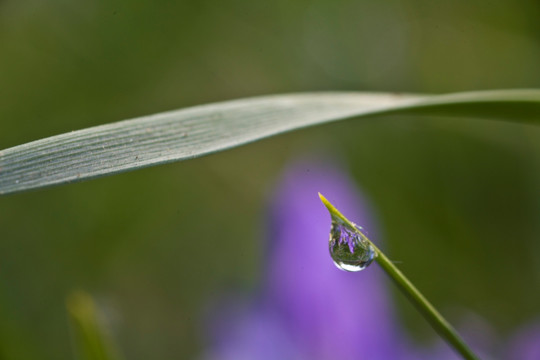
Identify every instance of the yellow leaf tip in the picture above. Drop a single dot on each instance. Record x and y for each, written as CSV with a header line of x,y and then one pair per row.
x,y
325,202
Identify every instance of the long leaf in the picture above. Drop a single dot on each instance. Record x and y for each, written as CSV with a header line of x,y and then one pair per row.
x,y
200,130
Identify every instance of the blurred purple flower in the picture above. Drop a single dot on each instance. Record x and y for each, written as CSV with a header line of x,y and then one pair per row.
x,y
306,308
525,344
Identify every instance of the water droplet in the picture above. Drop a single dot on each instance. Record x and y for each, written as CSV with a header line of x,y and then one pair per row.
x,y
349,250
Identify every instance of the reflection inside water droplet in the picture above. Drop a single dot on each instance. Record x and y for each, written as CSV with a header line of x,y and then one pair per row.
x,y
349,250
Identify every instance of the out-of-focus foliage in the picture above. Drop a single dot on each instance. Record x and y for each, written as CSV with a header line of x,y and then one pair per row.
x,y
90,340
153,246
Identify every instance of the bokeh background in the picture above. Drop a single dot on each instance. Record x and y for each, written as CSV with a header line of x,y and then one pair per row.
x,y
458,200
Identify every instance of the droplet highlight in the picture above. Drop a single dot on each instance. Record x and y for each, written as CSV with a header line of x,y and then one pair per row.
x,y
349,250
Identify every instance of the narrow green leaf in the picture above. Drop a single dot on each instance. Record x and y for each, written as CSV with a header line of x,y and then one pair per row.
x,y
90,341
201,130
436,320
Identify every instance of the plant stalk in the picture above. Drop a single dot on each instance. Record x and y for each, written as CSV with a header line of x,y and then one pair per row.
x,y
436,320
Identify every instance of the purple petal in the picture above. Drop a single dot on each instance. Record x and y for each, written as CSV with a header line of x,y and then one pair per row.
x,y
525,345
248,331
331,314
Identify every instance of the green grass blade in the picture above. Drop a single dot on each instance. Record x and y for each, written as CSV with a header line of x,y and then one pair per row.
x,y
436,320
201,130
90,341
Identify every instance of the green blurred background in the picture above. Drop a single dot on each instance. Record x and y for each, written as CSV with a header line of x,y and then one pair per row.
x,y
458,199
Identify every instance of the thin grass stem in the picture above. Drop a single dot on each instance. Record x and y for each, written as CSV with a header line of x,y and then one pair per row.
x,y
436,320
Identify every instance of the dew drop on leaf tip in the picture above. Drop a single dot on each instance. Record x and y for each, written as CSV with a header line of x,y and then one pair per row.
x,y
348,249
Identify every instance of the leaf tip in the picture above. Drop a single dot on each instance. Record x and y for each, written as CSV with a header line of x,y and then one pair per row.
x,y
323,199
326,203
